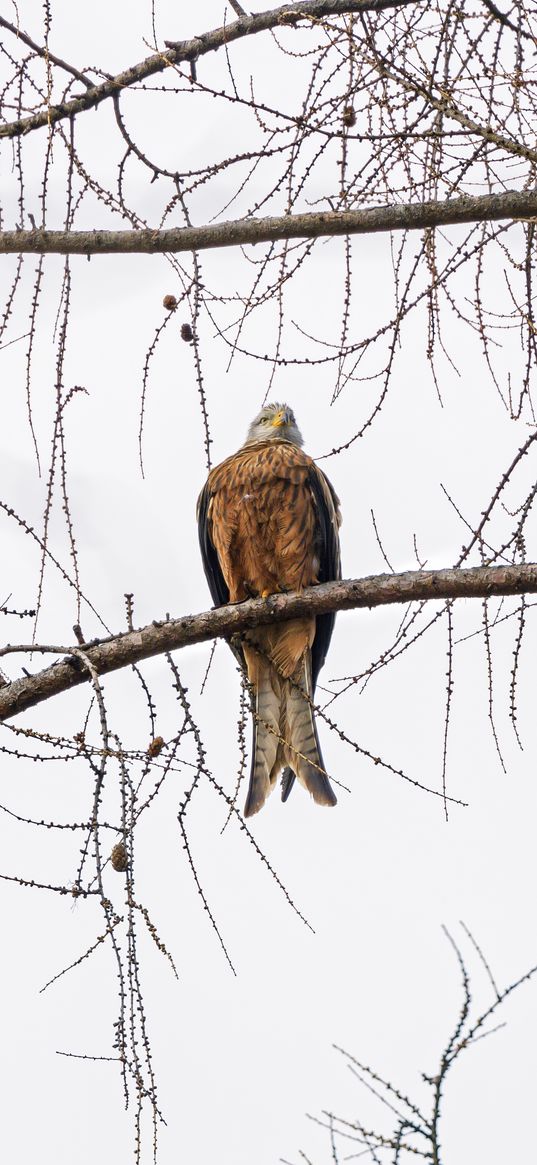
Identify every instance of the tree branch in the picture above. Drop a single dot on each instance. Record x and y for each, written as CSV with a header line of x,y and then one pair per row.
x,y
190,50
447,106
44,52
243,231
377,590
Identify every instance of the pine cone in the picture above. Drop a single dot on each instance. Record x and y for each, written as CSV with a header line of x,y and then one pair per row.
x,y
119,857
156,746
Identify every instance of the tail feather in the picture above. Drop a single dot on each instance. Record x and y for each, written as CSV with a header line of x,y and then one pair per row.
x,y
288,780
266,738
285,736
303,753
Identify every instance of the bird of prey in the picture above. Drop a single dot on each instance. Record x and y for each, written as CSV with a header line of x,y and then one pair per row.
x,y
268,521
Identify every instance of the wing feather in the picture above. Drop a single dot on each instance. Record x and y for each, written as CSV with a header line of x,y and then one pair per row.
x,y
328,521
211,565
326,504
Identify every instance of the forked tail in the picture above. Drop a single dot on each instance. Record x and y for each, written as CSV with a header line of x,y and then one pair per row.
x,y
285,735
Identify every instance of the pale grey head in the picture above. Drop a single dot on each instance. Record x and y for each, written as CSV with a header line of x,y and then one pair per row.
x,y
275,422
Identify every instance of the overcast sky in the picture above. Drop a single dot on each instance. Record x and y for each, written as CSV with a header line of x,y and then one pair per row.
x,y
241,1059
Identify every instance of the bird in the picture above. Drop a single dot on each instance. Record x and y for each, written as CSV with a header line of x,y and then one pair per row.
x,y
268,522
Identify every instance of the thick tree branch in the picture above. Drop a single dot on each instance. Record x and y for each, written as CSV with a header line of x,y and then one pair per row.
x,y
240,232
190,50
377,590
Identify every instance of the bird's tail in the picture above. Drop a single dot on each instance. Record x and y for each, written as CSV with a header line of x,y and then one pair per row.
x,y
302,750
266,742
285,735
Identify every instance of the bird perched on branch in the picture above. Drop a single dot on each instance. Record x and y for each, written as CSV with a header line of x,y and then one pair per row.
x,y
268,521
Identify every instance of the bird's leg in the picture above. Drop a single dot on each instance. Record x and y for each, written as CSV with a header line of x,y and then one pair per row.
x,y
280,590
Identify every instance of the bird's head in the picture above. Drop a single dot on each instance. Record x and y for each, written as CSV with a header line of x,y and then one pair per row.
x,y
275,422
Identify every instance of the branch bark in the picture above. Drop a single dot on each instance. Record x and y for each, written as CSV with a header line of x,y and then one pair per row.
x,y
377,590
240,232
190,50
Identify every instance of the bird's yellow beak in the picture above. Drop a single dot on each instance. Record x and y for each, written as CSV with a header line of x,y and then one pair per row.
x,y
280,419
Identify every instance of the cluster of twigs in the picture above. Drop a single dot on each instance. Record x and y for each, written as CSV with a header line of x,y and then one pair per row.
x,y
123,786
500,536
417,1124
385,104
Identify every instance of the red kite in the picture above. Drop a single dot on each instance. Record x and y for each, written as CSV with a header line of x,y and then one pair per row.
x,y
268,521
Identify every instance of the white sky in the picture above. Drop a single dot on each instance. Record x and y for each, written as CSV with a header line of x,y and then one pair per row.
x,y
241,1060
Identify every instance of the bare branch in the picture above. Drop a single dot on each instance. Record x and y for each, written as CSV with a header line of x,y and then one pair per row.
x,y
44,52
240,232
190,50
224,622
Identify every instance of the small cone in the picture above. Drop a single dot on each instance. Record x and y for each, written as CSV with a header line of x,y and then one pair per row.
x,y
119,857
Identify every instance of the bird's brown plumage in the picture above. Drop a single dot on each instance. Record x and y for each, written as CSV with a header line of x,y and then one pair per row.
x,y
266,515
263,520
